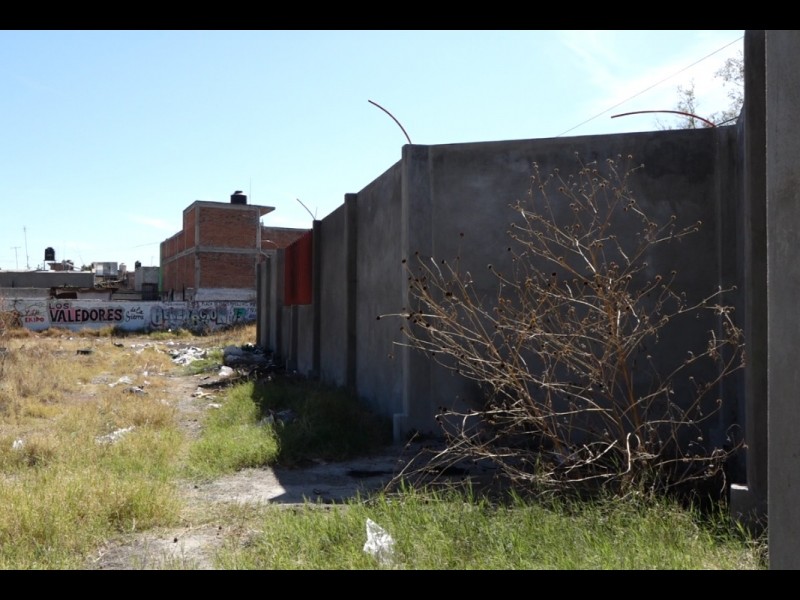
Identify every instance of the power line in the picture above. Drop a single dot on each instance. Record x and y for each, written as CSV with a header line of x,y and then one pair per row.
x,y
652,86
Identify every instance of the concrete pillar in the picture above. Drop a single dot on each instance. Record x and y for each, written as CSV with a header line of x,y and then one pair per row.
x,y
316,297
276,302
749,500
263,305
783,291
416,237
351,272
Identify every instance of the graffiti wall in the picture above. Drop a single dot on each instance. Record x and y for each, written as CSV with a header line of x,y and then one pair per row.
x,y
39,313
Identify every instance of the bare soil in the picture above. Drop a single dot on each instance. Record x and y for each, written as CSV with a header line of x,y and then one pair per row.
x,y
216,511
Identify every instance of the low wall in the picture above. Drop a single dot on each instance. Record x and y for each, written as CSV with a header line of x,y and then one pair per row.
x,y
38,314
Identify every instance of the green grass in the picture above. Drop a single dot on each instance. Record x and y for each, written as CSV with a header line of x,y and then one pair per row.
x,y
450,531
64,495
232,437
211,362
56,511
327,423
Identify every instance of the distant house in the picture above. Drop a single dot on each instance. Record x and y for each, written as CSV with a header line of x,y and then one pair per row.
x,y
105,281
43,284
216,254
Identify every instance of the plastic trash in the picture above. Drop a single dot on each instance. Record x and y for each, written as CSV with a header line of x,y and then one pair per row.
x,y
114,436
124,379
379,543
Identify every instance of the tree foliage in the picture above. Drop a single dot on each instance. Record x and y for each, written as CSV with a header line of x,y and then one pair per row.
x,y
731,73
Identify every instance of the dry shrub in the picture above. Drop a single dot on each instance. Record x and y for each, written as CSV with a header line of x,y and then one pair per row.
x,y
571,350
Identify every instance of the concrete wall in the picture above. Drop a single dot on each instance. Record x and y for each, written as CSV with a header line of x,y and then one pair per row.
x,y
40,314
144,275
740,181
379,289
783,283
454,200
333,305
46,279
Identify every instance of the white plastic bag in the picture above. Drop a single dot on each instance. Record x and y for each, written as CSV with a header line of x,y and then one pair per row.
x,y
379,543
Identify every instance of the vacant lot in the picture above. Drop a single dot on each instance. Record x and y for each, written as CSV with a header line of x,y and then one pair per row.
x,y
114,456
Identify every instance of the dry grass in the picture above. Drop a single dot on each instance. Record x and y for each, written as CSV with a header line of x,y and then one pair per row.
x,y
89,442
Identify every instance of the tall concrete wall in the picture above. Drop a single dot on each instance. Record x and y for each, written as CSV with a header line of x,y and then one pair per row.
x,y
379,289
740,181
783,283
467,189
749,490
333,305
454,200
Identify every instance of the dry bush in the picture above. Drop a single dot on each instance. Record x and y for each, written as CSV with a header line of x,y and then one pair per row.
x,y
570,352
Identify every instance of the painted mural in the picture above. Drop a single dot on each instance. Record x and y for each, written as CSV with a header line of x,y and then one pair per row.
x,y
38,314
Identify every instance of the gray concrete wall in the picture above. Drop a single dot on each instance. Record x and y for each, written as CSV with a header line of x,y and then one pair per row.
x,y
783,279
333,301
46,279
747,199
379,290
468,188
304,315
455,200
749,488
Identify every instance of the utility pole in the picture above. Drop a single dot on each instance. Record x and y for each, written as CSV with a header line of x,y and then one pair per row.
x,y
16,258
27,258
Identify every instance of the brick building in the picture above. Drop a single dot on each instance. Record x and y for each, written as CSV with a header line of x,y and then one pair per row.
x,y
215,255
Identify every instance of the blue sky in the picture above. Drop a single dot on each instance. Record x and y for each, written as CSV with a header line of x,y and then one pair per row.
x,y
108,135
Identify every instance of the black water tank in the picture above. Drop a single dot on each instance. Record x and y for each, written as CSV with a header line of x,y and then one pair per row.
x,y
238,197
49,254
137,264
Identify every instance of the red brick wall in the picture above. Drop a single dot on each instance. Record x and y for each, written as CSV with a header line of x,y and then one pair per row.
x,y
221,270
221,226
279,237
177,273
228,226
171,246
189,219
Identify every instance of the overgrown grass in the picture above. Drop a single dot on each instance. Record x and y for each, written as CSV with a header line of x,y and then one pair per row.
x,y
287,423
450,531
322,422
64,494
65,491
65,488
233,438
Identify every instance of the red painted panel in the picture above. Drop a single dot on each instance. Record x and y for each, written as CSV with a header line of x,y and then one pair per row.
x,y
297,271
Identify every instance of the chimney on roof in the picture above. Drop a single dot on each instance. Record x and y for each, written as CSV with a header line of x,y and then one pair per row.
x,y
238,197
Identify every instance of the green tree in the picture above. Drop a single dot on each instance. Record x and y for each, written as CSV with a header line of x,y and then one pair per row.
x,y
732,75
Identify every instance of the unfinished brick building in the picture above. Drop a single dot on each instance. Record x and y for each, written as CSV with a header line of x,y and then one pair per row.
x,y
215,256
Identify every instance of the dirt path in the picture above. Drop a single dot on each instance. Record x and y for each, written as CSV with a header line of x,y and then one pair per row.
x,y
208,523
